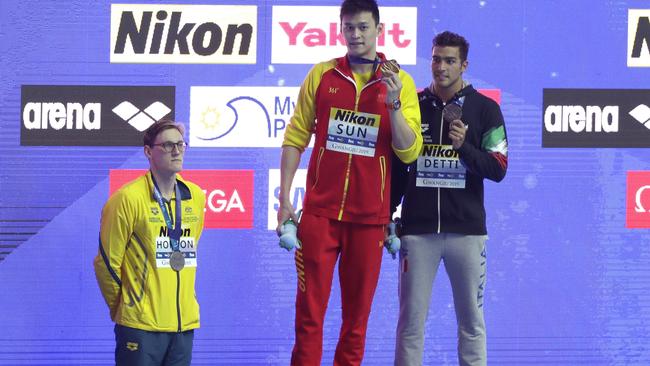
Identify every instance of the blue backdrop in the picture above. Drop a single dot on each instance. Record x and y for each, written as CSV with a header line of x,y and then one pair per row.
x,y
568,282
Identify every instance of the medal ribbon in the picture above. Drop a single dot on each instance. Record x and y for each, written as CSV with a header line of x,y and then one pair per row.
x,y
361,60
173,231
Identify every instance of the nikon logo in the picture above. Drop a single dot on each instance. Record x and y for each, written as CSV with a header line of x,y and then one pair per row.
x,y
365,119
197,34
638,38
439,151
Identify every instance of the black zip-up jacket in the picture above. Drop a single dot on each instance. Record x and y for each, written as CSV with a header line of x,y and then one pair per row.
x,y
483,154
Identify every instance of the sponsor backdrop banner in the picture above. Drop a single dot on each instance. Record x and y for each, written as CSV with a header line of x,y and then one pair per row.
x,y
297,194
190,34
240,116
638,200
229,194
310,34
91,115
568,254
638,38
596,118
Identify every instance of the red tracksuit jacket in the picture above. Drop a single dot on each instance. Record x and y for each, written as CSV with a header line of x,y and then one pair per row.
x,y
348,178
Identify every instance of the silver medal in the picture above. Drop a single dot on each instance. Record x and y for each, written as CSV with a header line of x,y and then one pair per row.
x,y
177,261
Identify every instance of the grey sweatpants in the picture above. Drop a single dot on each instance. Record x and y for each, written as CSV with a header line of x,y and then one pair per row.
x,y
464,257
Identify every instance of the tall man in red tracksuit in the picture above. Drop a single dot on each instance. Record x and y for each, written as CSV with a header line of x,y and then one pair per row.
x,y
360,110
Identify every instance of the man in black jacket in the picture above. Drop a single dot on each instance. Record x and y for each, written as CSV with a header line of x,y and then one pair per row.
x,y
443,216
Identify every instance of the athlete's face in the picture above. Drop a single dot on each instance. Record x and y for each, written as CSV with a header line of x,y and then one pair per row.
x,y
361,32
162,160
447,68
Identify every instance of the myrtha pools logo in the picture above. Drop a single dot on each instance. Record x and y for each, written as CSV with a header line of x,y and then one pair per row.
x,y
240,116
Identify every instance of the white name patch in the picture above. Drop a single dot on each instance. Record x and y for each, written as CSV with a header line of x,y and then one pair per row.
x,y
353,132
164,251
439,167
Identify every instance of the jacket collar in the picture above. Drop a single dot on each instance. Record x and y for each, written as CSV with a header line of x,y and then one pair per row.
x,y
429,94
343,65
186,194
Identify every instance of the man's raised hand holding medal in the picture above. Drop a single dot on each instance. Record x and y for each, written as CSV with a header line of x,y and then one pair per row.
x,y
390,77
403,136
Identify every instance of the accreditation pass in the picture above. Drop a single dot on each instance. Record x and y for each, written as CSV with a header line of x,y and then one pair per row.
x,y
352,132
439,167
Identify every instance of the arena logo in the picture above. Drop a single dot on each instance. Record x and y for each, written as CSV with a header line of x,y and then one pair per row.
x,y
157,33
240,116
141,119
638,38
297,194
575,118
61,115
638,200
596,118
310,34
229,194
58,116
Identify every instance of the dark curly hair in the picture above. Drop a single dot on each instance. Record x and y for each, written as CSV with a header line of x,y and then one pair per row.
x,y
449,39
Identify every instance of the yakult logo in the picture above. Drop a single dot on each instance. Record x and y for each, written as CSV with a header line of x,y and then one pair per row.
x,y
310,34
155,33
240,116
229,194
297,194
638,200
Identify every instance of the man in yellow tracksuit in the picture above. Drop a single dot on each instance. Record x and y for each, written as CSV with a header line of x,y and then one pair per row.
x,y
147,259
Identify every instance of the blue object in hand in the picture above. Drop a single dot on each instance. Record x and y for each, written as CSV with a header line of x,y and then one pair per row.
x,y
288,235
392,242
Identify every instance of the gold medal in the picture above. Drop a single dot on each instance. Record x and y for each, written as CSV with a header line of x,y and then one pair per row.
x,y
390,66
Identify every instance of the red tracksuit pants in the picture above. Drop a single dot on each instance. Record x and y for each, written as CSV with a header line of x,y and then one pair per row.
x,y
360,250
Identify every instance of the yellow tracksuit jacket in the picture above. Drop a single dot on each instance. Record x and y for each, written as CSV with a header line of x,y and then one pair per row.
x,y
132,265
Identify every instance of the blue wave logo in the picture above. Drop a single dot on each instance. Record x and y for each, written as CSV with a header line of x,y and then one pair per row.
x,y
216,125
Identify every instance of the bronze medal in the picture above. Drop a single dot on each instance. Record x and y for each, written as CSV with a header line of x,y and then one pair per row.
x,y
451,112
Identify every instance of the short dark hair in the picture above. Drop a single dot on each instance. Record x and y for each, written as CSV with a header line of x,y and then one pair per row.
x,y
155,129
353,7
449,39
